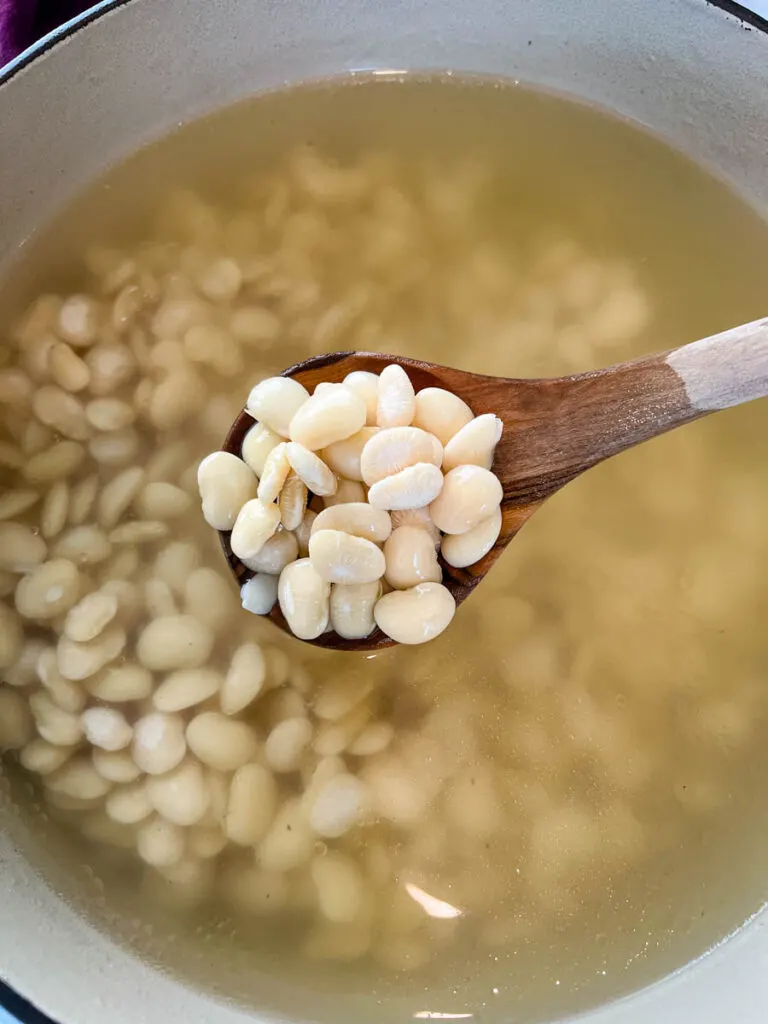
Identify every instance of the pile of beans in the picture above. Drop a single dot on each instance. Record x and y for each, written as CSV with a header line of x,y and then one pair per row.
x,y
409,471
544,755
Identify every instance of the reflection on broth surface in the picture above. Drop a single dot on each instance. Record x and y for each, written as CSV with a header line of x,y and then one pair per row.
x,y
556,801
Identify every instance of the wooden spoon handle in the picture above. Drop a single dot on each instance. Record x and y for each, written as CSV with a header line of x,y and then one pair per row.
x,y
727,369
559,428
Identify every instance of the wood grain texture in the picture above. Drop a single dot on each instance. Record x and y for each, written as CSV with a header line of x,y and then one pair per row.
x,y
555,429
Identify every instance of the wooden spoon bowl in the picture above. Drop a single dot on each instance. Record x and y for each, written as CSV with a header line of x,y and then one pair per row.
x,y
554,428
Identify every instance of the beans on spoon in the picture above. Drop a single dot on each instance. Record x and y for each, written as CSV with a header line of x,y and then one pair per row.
x,y
553,429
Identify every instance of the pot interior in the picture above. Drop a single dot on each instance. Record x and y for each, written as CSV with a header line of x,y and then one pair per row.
x,y
578,765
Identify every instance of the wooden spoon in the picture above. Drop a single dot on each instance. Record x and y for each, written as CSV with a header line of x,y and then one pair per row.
x,y
555,428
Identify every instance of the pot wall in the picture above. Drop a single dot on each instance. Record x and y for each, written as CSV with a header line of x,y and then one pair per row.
x,y
687,70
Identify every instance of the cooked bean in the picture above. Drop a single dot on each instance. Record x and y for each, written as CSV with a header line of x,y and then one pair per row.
x,y
303,532
226,484
357,518
351,608
159,599
80,660
474,444
79,779
176,641
42,758
253,527
129,805
469,495
61,411
339,804
285,745
186,687
13,503
411,558
68,369
121,683
158,742
339,557
244,680
328,416
251,806
220,742
49,590
461,550
21,550
160,843
417,615
397,402
211,598
139,531
54,463
53,512
78,321
67,693
312,470
275,472
115,766
275,401
344,457
82,499
389,451
106,728
59,727
84,545
366,385
11,636
161,500
413,487
289,842
304,599
180,795
23,671
259,594
340,886
86,620
280,550
441,413
416,517
110,366
257,444
372,740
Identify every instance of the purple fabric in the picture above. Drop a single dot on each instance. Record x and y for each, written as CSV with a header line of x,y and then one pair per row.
x,y
24,21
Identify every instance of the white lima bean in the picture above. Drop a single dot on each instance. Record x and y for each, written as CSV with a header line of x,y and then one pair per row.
x,y
161,500
78,661
86,620
416,517
312,470
441,413
275,401
286,744
397,400
257,444
340,887
106,728
226,483
181,795
251,806
330,415
293,502
245,679
289,842
49,590
211,598
54,463
357,518
417,615
413,487
176,641
304,598
303,532
280,550
469,495
258,595
187,687
366,385
254,525
340,557
115,766
158,743
275,472
351,609
220,742
463,549
341,802
411,558
347,491
21,550
474,444
160,843
344,456
389,451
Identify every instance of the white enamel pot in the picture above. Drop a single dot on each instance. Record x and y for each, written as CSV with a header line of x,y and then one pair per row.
x,y
130,71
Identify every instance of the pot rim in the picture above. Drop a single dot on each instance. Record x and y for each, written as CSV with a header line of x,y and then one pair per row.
x,y
11,1002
